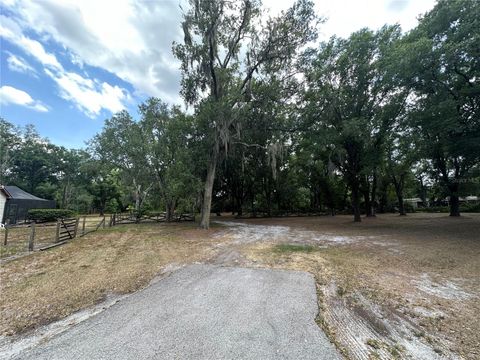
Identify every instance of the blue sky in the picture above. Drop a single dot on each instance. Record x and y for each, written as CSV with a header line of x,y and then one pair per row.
x,y
61,120
67,65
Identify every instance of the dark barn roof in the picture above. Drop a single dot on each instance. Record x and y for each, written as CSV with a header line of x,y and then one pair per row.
x,y
19,202
14,192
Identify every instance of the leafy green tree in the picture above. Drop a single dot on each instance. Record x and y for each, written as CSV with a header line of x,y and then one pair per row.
x,y
9,144
401,155
348,93
169,145
105,187
121,145
440,60
33,167
217,77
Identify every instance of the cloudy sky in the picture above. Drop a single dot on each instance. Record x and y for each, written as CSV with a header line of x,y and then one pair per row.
x,y
66,65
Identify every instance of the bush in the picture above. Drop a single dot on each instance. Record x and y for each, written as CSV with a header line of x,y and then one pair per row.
x,y
470,208
42,215
435,209
112,206
466,208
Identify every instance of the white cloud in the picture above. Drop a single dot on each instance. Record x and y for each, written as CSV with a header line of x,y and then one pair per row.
x,y
19,64
129,38
11,95
11,31
89,96
133,38
347,16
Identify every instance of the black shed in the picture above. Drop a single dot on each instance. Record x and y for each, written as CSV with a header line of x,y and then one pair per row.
x,y
15,203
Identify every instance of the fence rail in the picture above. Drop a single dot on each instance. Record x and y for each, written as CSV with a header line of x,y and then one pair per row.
x,y
41,236
131,218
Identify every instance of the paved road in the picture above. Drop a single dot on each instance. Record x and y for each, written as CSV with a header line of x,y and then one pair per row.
x,y
203,312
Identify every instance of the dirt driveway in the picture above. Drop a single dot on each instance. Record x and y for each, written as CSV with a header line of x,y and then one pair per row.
x,y
390,287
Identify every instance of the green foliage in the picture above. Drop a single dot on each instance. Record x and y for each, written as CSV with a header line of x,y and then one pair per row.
x,y
372,118
470,208
43,215
440,61
353,100
435,209
112,206
466,208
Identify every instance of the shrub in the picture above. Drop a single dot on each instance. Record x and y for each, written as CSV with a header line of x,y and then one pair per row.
x,y
470,208
112,206
435,209
466,208
409,208
42,215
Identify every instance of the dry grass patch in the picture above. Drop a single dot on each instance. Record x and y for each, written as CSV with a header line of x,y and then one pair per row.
x,y
412,284
47,286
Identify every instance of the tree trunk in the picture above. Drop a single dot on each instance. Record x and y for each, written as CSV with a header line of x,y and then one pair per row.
x,y
64,197
208,191
102,207
423,191
454,205
401,205
383,198
137,199
366,196
356,202
254,209
170,209
137,188
373,197
239,206
368,204
398,184
268,197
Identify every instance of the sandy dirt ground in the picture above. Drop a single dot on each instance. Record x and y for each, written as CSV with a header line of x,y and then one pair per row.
x,y
388,288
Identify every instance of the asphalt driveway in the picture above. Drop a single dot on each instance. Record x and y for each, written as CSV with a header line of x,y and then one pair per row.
x,y
203,312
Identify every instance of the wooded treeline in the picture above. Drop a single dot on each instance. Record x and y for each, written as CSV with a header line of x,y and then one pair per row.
x,y
352,125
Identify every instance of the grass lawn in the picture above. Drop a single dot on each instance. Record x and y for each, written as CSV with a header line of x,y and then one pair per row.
x,y
389,287
50,285
392,286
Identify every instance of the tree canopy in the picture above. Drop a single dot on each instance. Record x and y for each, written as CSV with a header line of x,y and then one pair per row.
x,y
280,124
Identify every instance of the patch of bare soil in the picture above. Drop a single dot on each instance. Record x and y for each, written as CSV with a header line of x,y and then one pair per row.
x,y
48,286
390,287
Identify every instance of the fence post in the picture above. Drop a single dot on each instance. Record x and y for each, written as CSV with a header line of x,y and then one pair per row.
x,y
32,236
114,219
57,233
83,225
76,227
6,232
103,221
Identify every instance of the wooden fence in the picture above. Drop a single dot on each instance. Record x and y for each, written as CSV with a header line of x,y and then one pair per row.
x,y
32,236
90,224
130,218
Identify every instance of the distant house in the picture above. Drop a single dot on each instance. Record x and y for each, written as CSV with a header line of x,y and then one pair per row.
x,y
415,202
15,203
470,199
